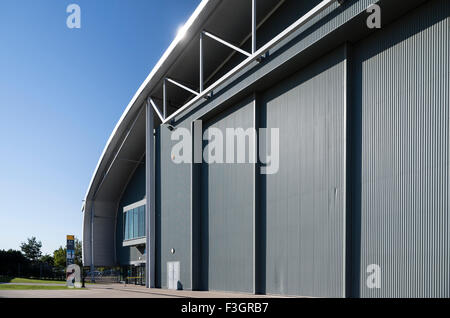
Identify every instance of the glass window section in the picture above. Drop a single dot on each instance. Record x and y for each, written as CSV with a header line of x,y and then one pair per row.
x,y
138,210
130,224
142,231
142,227
136,223
125,226
142,221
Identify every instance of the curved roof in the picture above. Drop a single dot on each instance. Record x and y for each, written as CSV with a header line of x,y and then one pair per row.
x,y
171,54
181,62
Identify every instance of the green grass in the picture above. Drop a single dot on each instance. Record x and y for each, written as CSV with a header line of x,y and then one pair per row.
x,y
32,281
31,287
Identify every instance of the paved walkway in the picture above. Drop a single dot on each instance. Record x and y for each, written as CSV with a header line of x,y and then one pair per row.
x,y
33,284
118,291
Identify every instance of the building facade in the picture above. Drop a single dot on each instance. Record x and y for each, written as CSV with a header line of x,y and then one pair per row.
x,y
359,203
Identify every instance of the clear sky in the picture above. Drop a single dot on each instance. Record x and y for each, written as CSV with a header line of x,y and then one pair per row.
x,y
62,91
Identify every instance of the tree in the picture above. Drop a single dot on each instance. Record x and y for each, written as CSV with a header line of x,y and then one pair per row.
x,y
32,249
59,257
47,259
13,263
78,253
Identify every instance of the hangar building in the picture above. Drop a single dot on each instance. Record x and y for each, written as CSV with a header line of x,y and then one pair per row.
x,y
363,183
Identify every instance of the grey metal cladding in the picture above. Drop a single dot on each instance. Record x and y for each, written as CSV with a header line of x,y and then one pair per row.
x,y
303,203
104,229
401,77
174,215
227,212
86,234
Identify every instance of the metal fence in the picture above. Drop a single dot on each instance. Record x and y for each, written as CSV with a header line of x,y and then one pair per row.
x,y
116,279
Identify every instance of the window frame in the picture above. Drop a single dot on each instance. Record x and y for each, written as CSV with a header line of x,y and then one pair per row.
x,y
132,213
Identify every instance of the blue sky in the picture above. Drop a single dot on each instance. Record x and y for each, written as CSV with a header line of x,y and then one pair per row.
x,y
62,92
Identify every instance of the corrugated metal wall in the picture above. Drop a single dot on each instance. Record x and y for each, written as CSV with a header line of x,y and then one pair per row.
x,y
104,226
399,176
401,88
227,212
304,202
173,211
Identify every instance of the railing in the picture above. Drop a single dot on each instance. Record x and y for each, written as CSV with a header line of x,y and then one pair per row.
x,y
115,279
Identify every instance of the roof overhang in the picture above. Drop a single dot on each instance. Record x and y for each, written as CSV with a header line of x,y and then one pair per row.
x,y
131,111
181,62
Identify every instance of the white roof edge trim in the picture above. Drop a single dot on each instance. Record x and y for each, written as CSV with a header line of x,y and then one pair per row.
x,y
164,57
